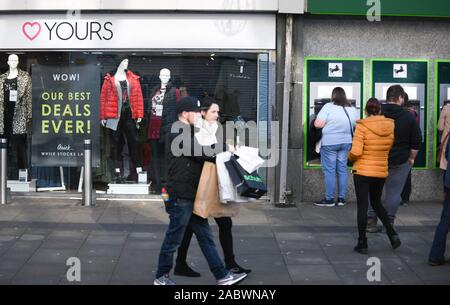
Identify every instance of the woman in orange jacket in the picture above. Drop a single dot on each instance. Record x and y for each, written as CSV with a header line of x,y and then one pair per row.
x,y
372,142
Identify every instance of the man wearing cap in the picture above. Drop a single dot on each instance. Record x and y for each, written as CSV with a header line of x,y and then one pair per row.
x,y
185,166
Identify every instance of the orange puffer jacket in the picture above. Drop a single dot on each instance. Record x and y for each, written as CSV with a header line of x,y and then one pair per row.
x,y
373,139
109,98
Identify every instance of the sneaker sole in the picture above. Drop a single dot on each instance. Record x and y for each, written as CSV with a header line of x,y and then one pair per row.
x,y
235,281
377,230
325,205
341,204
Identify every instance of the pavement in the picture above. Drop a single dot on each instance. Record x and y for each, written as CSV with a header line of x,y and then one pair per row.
x,y
118,241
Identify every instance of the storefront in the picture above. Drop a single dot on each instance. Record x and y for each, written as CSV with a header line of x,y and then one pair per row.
x,y
224,56
364,48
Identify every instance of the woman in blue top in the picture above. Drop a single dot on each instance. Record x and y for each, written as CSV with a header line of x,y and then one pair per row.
x,y
338,119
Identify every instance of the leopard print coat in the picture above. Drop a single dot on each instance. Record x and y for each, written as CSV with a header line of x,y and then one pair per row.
x,y
22,114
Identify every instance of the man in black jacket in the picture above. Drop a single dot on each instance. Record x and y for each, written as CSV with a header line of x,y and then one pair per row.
x,y
407,140
186,158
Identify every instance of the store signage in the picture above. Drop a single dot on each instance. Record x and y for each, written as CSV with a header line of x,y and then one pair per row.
x,y
418,8
138,31
400,71
335,70
65,113
67,30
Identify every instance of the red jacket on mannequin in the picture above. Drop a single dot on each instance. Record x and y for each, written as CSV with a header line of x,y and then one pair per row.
x,y
109,98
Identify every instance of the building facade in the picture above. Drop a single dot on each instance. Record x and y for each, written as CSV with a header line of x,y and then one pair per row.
x,y
413,34
261,60
221,50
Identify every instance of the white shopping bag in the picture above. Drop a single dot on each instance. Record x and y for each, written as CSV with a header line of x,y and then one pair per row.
x,y
249,158
318,146
227,190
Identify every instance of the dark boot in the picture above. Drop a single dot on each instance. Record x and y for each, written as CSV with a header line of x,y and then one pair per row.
x,y
234,267
391,221
395,241
183,269
361,247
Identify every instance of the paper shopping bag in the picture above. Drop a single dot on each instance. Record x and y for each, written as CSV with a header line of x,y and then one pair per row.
x,y
207,202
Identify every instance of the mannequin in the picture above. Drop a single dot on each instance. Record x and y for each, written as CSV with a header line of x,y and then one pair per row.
x,y
121,111
15,109
162,115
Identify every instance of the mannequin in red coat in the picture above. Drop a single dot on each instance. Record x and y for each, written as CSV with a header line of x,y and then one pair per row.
x,y
121,111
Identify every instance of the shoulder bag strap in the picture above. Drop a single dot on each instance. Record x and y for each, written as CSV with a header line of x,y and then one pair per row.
x,y
349,121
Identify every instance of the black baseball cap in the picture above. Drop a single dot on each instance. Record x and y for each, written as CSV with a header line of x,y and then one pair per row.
x,y
188,104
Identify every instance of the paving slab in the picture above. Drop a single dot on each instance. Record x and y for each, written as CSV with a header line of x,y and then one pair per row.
x,y
312,273
118,244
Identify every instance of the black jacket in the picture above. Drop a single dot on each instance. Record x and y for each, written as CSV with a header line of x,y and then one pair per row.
x,y
186,167
407,133
169,113
315,134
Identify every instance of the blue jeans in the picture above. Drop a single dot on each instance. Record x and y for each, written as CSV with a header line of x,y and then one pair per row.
x,y
334,160
437,252
180,216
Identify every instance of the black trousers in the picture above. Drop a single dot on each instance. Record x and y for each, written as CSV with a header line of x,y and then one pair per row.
x,y
18,143
159,163
126,129
365,188
406,193
225,237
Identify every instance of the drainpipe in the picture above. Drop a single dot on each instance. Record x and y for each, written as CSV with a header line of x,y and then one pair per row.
x,y
287,85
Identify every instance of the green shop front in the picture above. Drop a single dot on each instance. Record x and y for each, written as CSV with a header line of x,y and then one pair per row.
x,y
365,48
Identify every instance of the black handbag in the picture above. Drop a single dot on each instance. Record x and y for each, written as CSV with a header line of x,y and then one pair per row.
x,y
247,184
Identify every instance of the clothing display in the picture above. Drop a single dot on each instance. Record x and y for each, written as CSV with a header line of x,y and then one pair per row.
x,y
126,128
10,94
20,98
15,105
18,144
162,115
156,114
163,112
159,164
109,98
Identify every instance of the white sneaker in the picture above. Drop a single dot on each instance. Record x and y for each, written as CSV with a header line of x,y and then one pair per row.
x,y
231,278
341,202
325,203
163,280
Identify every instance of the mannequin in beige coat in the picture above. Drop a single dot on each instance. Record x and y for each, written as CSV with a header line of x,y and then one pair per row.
x,y
444,126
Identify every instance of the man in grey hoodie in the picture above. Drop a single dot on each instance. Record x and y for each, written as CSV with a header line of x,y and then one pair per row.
x,y
407,142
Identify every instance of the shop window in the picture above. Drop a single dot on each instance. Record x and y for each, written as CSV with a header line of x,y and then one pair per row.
x,y
231,79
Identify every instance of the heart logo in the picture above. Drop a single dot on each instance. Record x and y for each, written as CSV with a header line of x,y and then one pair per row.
x,y
31,29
